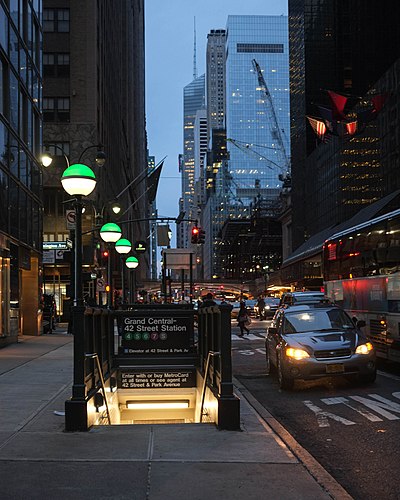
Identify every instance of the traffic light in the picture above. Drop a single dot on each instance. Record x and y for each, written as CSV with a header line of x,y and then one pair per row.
x,y
201,237
104,258
195,235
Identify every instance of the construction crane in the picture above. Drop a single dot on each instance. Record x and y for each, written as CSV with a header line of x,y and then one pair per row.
x,y
276,132
246,147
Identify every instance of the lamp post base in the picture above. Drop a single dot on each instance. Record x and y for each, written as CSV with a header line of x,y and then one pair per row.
x,y
76,416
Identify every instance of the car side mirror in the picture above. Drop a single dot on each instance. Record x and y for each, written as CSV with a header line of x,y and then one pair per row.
x,y
361,323
273,330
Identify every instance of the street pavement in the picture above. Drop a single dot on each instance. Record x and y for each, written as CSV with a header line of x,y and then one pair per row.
x,y
38,460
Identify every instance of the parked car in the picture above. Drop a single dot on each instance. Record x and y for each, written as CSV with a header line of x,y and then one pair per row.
x,y
318,340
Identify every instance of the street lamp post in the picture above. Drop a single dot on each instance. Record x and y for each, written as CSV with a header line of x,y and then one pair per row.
x,y
132,263
123,246
110,233
78,180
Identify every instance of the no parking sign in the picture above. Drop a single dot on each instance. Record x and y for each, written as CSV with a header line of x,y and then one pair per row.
x,y
100,285
71,219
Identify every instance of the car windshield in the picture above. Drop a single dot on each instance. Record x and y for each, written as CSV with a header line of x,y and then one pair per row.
x,y
315,320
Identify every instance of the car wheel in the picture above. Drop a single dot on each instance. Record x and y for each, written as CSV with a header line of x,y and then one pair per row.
x,y
285,383
368,379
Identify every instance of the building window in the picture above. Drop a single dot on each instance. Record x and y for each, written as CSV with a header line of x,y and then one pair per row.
x,y
56,109
56,20
55,64
260,47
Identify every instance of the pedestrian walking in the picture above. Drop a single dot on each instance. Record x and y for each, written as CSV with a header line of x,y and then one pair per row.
x,y
243,319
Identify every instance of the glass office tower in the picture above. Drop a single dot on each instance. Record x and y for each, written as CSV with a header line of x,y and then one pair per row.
x,y
20,176
254,120
193,100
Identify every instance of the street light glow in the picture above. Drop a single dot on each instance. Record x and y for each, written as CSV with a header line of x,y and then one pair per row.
x,y
110,232
123,246
78,179
46,159
132,262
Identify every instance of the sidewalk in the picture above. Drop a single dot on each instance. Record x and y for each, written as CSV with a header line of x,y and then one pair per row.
x,y
38,460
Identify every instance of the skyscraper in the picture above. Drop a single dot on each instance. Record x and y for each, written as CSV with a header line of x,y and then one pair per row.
x,y
254,119
193,100
215,79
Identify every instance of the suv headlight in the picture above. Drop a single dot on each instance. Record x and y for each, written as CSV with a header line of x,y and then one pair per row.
x,y
296,353
364,348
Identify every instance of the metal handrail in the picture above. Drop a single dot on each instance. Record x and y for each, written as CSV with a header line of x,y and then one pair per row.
x,y
95,356
203,391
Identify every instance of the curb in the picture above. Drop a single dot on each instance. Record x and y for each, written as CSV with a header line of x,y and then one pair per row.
x,y
315,469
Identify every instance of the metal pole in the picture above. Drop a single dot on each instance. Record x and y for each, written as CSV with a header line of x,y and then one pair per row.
x,y
191,276
134,286
109,278
123,280
79,387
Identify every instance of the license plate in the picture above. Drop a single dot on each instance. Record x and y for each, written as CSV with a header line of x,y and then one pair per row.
x,y
337,368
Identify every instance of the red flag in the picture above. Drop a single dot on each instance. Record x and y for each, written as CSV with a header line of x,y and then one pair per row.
x,y
338,102
351,127
318,126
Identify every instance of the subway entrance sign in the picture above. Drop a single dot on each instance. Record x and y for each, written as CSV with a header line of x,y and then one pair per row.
x,y
156,348
160,333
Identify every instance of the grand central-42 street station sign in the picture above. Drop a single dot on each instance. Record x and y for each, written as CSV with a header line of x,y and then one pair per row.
x,y
156,348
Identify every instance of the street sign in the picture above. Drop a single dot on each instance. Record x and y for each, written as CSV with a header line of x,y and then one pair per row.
x,y
162,333
71,219
100,285
140,246
59,254
48,257
54,245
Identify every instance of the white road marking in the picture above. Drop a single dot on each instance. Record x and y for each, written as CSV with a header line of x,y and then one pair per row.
x,y
381,405
322,416
247,352
246,337
345,401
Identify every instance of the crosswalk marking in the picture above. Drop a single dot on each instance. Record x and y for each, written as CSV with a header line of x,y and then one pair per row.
x,y
378,404
251,336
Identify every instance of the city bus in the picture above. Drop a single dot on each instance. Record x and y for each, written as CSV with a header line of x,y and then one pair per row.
x,y
361,267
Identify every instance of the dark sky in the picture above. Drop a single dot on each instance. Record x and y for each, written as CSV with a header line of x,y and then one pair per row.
x,y
169,67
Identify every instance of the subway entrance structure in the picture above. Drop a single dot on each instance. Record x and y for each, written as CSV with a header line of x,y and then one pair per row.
x,y
163,363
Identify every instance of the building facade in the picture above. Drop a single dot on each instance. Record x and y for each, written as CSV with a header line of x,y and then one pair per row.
x,y
339,46
253,118
20,173
193,101
93,54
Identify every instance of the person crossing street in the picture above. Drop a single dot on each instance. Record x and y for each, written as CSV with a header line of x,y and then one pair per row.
x,y
243,319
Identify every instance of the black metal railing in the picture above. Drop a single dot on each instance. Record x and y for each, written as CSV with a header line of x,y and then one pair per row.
x,y
214,337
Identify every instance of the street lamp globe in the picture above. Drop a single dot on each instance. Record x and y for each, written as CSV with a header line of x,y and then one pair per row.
x,y
123,246
78,180
100,158
110,232
132,262
116,207
46,159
